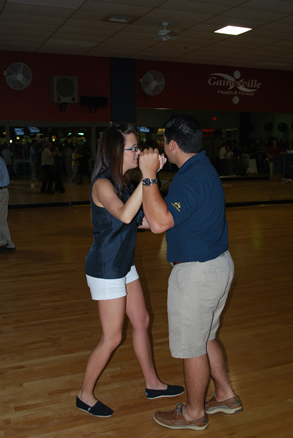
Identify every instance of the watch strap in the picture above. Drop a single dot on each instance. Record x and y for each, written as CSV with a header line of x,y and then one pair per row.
x,y
149,181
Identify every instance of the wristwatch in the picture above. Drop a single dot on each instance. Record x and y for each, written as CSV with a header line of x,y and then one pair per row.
x,y
149,181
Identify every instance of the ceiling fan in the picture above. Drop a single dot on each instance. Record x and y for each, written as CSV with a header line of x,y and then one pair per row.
x,y
171,37
166,35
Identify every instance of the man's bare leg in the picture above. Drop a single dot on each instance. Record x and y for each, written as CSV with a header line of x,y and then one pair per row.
x,y
219,373
196,376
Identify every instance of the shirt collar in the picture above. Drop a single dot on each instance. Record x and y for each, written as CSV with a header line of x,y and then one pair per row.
x,y
199,156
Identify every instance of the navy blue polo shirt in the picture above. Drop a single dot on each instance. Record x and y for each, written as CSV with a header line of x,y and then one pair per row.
x,y
197,203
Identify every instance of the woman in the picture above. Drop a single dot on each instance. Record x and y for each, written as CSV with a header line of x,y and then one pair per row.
x,y
75,164
110,270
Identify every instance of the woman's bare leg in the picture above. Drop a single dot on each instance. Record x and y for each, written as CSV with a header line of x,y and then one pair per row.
x,y
111,313
139,318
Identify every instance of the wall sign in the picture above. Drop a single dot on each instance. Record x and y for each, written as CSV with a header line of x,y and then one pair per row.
x,y
233,85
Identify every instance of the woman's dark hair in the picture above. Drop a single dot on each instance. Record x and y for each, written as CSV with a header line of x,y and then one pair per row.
x,y
109,158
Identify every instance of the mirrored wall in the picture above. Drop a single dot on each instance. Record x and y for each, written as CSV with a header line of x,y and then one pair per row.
x,y
237,144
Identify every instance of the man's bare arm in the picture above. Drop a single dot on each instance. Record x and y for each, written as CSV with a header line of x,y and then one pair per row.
x,y
155,208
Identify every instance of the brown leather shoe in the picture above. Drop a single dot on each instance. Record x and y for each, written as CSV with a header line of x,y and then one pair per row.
x,y
175,419
230,406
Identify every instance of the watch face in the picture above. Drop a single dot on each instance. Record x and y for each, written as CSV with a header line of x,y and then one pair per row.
x,y
149,181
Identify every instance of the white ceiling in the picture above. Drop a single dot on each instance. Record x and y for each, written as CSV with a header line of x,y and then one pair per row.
x,y
80,27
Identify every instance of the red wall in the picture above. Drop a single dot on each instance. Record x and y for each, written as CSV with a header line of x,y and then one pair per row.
x,y
33,103
187,87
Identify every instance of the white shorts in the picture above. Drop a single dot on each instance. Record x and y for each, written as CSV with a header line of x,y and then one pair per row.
x,y
108,289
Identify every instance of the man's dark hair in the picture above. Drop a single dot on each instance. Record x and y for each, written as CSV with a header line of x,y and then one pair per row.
x,y
185,130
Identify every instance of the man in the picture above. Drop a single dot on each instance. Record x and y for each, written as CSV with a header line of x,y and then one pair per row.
x,y
47,167
6,243
272,152
35,150
7,155
222,163
193,216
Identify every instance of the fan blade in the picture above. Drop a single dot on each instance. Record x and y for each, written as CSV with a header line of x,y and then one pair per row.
x,y
171,42
25,81
11,79
173,33
21,67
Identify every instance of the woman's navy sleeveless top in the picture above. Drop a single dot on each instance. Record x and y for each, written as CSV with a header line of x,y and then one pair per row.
x,y
112,252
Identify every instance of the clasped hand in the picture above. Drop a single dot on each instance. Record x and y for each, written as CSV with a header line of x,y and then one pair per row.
x,y
151,162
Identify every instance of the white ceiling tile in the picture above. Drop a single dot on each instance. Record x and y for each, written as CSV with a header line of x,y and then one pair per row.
x,y
287,20
27,26
267,35
284,43
120,52
24,40
64,42
82,33
70,4
285,29
89,15
246,14
64,50
147,3
99,51
178,15
78,27
112,28
26,9
269,5
222,20
77,37
232,3
20,46
253,41
153,24
195,7
30,19
115,8
270,51
18,33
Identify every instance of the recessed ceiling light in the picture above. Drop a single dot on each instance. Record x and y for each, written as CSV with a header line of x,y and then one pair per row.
x,y
121,18
124,19
233,30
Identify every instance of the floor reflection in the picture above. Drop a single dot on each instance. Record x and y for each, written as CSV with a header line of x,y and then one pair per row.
x,y
248,190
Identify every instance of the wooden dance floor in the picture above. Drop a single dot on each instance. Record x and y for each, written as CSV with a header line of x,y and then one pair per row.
x,y
49,325
249,190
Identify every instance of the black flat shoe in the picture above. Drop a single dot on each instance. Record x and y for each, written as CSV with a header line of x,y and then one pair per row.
x,y
171,391
98,410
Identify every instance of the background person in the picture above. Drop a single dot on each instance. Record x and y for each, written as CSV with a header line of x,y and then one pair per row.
x,y
193,216
222,162
47,168
35,150
110,266
6,243
67,159
75,164
7,155
272,152
58,169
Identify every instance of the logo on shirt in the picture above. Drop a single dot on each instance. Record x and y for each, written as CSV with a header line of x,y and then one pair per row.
x,y
177,205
